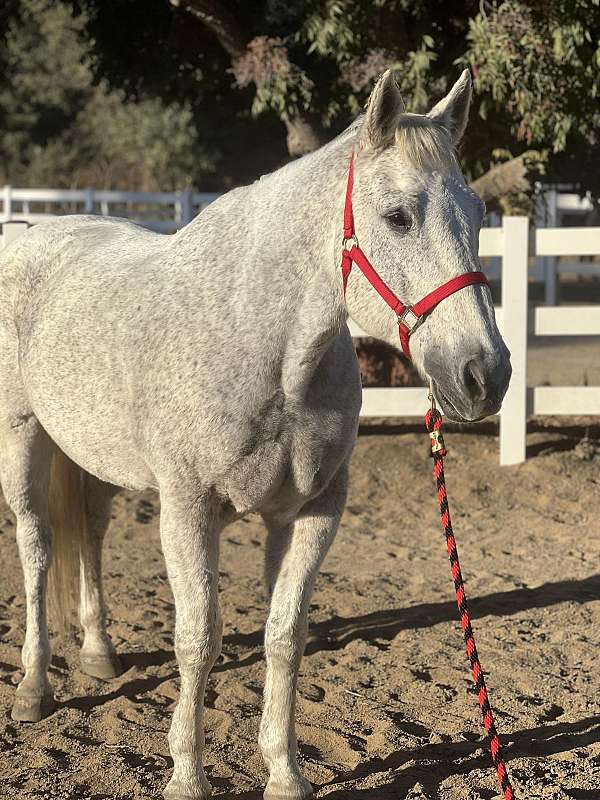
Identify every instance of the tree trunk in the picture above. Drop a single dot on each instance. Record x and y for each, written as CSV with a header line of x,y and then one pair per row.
x,y
302,136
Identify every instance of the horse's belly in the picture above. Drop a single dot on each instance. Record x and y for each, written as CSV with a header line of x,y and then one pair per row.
x,y
81,403
90,435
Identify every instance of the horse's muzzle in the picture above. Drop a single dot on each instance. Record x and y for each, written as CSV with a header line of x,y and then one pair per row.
x,y
477,387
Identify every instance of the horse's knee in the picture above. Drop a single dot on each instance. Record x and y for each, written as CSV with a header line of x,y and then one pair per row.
x,y
284,647
199,648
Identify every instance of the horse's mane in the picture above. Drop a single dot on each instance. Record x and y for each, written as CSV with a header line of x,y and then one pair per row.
x,y
424,142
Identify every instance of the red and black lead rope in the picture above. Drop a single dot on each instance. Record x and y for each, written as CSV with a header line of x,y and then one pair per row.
x,y
433,423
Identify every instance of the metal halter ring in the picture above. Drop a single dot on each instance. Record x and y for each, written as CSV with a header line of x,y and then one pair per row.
x,y
409,319
352,239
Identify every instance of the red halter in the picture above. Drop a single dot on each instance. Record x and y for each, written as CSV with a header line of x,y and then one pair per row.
x,y
409,317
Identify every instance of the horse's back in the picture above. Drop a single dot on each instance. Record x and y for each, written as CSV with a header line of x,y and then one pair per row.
x,y
73,242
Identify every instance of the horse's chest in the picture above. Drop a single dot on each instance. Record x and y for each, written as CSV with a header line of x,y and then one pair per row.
x,y
316,451
302,442
283,473
281,476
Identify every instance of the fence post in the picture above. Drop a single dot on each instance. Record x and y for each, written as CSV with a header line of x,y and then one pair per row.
x,y
12,231
89,201
513,417
551,277
7,203
184,210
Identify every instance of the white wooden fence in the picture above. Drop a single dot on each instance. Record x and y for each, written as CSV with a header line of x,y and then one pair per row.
x,y
554,205
164,212
514,245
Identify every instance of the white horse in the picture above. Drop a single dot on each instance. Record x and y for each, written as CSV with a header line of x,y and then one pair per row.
x,y
109,378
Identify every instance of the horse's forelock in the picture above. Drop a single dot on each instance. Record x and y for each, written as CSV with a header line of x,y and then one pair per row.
x,y
424,143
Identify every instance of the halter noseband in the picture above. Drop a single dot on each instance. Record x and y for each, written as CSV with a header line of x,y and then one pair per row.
x,y
409,316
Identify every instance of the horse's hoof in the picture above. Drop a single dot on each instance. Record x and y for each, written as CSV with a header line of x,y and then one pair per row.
x,y
296,790
177,789
103,667
31,708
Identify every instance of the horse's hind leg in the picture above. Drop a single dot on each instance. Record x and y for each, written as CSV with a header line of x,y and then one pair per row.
x,y
98,655
25,455
291,568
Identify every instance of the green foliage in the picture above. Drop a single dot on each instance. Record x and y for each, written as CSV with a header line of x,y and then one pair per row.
x,y
280,85
60,128
127,90
541,64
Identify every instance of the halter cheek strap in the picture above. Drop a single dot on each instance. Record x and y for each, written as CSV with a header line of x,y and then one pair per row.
x,y
409,316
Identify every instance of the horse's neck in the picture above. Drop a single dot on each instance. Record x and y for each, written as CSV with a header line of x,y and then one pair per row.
x,y
283,260
304,203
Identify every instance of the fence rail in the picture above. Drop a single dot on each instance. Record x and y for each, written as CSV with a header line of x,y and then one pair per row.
x,y
164,212
512,244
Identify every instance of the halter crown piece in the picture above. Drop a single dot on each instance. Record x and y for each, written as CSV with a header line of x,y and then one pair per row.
x,y
409,316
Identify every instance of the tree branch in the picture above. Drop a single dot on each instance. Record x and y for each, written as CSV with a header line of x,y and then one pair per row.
x,y
502,180
220,21
302,135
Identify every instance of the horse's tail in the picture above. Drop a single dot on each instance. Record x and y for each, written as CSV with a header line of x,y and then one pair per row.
x,y
66,499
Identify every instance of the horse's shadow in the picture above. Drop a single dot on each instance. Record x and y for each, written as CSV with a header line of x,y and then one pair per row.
x,y
337,632
245,649
429,764
434,763
131,689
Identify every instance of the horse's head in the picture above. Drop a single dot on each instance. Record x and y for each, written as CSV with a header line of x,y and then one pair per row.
x,y
418,223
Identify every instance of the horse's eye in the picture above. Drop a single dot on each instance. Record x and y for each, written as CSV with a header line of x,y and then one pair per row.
x,y
400,219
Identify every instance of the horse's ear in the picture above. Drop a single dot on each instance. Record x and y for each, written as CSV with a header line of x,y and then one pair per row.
x,y
453,111
383,113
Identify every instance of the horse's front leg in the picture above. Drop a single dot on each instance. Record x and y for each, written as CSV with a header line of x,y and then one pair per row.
x,y
294,555
189,530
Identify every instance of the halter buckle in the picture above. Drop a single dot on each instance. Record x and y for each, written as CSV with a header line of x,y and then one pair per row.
x,y
352,239
409,319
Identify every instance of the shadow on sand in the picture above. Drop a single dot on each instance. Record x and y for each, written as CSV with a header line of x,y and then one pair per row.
x,y
434,763
337,632
429,764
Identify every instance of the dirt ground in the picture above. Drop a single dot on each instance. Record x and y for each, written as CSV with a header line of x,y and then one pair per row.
x,y
386,708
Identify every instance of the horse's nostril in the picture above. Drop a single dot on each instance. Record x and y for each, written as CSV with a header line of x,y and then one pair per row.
x,y
473,379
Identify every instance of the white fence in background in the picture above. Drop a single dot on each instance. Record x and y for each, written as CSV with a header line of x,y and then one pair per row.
x,y
164,212
556,205
513,244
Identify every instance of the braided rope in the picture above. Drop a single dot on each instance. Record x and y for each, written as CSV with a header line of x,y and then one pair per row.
x,y
433,423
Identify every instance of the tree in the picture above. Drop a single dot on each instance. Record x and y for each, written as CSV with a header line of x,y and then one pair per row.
x,y
60,128
259,77
538,63
312,64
